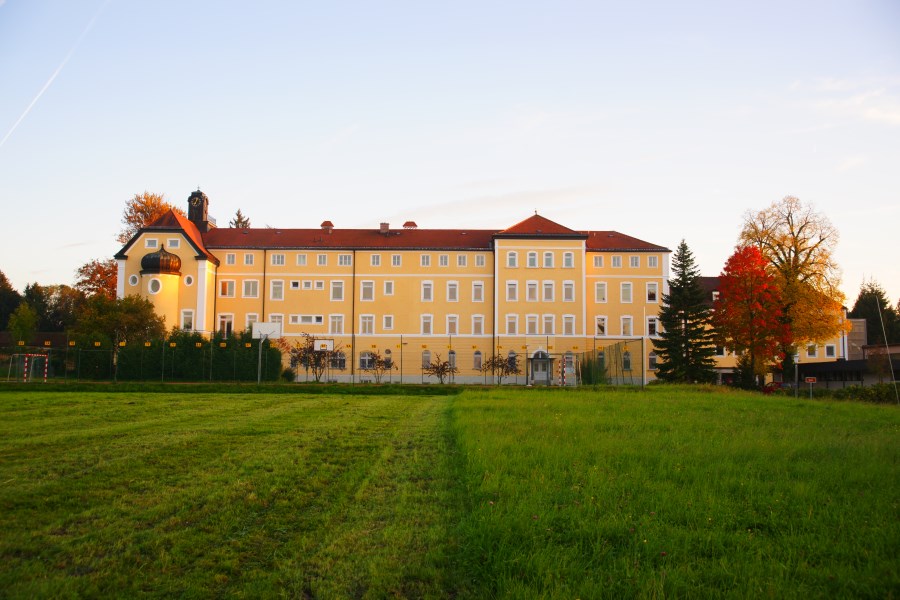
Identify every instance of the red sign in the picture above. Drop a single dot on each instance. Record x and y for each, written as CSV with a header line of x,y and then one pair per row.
x,y
810,380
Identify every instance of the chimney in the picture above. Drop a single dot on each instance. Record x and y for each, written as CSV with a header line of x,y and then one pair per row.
x,y
385,228
327,226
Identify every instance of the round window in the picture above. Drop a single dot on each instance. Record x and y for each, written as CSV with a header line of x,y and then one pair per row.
x,y
133,280
155,286
188,280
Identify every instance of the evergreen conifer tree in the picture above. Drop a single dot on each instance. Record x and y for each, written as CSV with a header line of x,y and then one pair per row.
x,y
685,348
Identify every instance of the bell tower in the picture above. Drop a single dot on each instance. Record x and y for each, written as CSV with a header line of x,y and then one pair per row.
x,y
198,209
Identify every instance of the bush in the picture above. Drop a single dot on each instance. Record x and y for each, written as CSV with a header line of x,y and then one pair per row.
x,y
880,393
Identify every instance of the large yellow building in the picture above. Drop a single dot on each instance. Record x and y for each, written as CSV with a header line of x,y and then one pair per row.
x,y
538,289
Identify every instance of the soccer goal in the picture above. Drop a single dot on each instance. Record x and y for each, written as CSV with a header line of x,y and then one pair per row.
x,y
25,367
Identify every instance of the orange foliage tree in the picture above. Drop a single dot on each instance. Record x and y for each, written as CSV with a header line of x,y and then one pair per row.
x,y
97,278
140,211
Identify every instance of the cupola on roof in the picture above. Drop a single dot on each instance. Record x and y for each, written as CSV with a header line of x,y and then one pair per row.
x,y
161,262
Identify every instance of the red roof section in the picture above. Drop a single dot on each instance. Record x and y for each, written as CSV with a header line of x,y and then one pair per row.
x,y
172,221
538,225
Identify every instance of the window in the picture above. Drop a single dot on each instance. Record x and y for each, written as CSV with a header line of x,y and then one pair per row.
x,y
338,360
720,350
187,320
452,291
477,291
811,351
276,289
173,243
251,289
617,262
626,292
301,260
477,361
568,325
444,260
426,325
336,324
366,324
307,284
512,324
226,288
395,260
652,291
366,360
479,260
715,296
600,326
548,291
388,288
532,260
133,280
322,260
627,328
626,361
154,286
427,291
512,291
830,351
477,324
548,260
512,260
150,243
375,260
337,291
189,281
653,262
634,262
229,258
512,361
531,324
277,260
276,319
425,260
598,261
345,260
531,291
248,259
600,291
226,324
651,361
568,260
295,285
367,291
461,260
387,322
549,324
319,284
452,325
306,319
568,291
426,358
652,326
251,319
451,358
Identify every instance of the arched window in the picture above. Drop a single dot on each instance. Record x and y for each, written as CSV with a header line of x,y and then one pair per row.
x,y
451,358
338,360
426,358
512,360
388,359
626,361
651,361
477,361
366,360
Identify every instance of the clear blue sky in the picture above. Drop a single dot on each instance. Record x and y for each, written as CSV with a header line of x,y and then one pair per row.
x,y
662,120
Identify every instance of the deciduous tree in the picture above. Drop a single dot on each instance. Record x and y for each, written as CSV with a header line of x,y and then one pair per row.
x,y
57,306
442,369
685,349
97,277
502,366
378,366
747,314
131,319
9,301
305,353
23,323
142,210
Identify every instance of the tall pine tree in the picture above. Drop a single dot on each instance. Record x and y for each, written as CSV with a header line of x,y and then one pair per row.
x,y
685,348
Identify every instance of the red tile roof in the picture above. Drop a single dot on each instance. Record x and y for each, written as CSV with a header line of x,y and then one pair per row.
x,y
172,221
536,225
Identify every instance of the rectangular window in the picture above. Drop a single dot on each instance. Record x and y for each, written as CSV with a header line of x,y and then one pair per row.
x,y
396,260
477,360
653,262
387,322
226,324
426,324
319,284
345,260
322,260
388,288
617,262
652,326
336,324
625,294
337,291
307,284
568,291
512,324
600,326
173,243
277,260
532,260
652,291
150,243
598,261
276,289
375,260
367,291
531,291
461,260
229,258
452,325
276,319
830,351
627,328
366,324
427,291
634,262
251,289
187,320
811,351
568,260
477,324
444,260
452,291
512,291
301,260
548,291
248,259
479,260
251,319
295,285
512,260
720,350
568,325
425,260
531,324
477,291
226,289
548,260
549,324
600,291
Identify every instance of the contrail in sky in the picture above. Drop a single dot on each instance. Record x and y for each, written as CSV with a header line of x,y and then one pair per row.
x,y
55,73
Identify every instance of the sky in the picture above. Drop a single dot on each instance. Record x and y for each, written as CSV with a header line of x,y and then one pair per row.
x,y
661,120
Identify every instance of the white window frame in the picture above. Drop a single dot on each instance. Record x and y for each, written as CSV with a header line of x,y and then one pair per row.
x,y
601,292
512,291
634,262
396,260
387,322
568,291
367,324
653,262
336,293
248,259
427,291
452,291
425,260
225,323
321,260
249,320
477,324
477,291
301,260
336,324
812,351
568,325
532,290
626,297
231,287
345,260
652,326
443,260
426,324
388,287
598,321
512,324
532,324
173,243
545,286
151,243
830,351
367,285
548,322
187,317
480,260
652,287
616,261
462,260
230,258
278,260
276,285
598,261
568,260
629,321
452,324
531,260
549,260
250,288
512,259
375,260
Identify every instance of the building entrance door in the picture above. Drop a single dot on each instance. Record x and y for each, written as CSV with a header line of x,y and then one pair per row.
x,y
540,368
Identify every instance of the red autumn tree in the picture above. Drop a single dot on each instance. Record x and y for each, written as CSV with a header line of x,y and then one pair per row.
x,y
97,278
747,315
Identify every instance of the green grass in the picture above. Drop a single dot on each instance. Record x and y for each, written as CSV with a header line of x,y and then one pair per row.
x,y
491,493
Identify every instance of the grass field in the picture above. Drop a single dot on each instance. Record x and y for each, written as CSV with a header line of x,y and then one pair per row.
x,y
520,493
